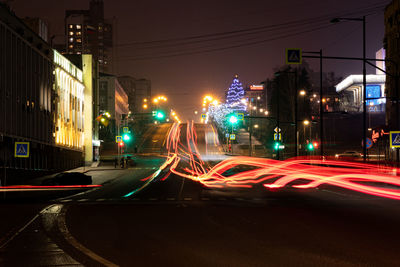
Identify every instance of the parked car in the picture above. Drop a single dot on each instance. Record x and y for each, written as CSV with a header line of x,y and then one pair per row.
x,y
69,178
349,154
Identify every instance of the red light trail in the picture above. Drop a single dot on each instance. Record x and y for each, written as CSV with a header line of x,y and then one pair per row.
x,y
275,174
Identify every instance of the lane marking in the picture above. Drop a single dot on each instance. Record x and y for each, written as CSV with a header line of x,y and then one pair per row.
x,y
170,198
187,198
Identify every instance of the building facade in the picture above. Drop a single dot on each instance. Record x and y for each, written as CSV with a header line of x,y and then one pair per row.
x,y
114,100
88,32
142,92
392,47
39,103
128,83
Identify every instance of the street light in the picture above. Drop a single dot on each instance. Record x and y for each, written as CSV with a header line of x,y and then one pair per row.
x,y
302,93
336,20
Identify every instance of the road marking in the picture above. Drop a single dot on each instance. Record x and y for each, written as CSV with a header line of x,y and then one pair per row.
x,y
239,198
187,198
63,229
153,199
66,200
83,200
170,198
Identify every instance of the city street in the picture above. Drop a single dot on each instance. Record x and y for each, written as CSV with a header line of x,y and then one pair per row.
x,y
143,219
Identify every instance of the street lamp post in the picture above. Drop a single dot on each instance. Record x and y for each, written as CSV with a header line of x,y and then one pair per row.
x,y
336,20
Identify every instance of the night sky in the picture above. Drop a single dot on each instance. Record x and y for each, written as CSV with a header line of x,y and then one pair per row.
x,y
186,78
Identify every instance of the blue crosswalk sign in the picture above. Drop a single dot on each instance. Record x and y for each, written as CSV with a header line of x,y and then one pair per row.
x,y
394,139
21,150
293,56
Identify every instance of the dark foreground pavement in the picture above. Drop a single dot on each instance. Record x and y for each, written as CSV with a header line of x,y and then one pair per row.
x,y
297,232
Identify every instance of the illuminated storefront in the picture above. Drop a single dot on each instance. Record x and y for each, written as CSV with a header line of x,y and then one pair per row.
x,y
69,103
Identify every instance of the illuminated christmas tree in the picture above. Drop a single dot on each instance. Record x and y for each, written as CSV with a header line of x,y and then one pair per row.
x,y
235,94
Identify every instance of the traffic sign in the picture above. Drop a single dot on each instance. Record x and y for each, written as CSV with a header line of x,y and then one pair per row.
x,y
232,136
277,130
21,150
276,136
118,139
203,116
125,129
240,116
227,135
394,139
369,143
293,56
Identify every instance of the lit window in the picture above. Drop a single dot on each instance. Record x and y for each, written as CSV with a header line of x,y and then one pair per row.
x,y
79,33
71,40
71,46
79,40
70,26
78,26
71,33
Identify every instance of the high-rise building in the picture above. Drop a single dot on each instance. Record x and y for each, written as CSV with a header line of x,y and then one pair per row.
x,y
87,32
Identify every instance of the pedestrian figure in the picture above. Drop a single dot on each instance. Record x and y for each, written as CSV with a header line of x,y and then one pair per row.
x,y
115,162
122,162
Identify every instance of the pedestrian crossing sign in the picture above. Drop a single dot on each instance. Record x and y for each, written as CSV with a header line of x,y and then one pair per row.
x,y
204,116
240,116
232,136
21,150
394,139
118,139
293,56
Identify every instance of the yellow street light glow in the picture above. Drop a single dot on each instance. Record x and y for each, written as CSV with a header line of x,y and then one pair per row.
x,y
266,112
155,100
302,92
306,122
256,126
145,106
215,102
323,100
145,100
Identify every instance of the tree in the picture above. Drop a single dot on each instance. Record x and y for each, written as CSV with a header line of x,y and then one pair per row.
x,y
235,94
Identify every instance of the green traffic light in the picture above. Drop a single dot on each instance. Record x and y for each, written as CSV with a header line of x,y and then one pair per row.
x,y
126,137
233,119
310,147
160,115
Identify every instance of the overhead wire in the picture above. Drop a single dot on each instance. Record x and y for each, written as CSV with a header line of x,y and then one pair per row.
x,y
184,45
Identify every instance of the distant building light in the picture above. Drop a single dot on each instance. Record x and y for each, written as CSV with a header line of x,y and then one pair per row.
x,y
78,26
256,87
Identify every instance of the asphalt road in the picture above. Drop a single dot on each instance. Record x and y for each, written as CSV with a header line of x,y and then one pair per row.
x,y
143,220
